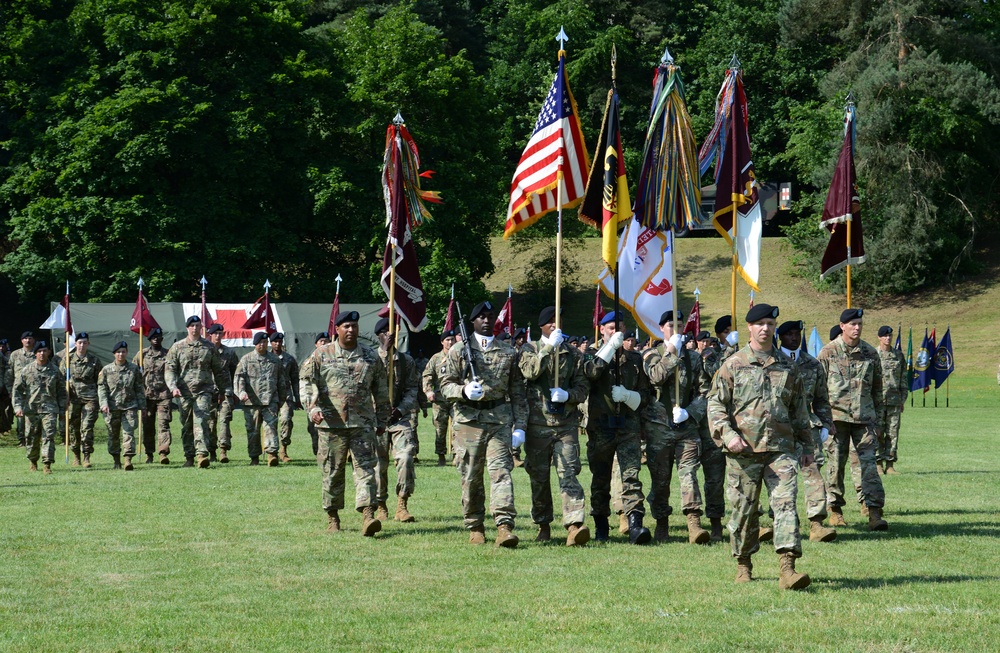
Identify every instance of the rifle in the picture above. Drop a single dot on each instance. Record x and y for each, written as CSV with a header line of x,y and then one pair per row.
x,y
467,344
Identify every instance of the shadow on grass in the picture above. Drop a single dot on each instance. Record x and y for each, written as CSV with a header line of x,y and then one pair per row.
x,y
956,471
901,529
875,583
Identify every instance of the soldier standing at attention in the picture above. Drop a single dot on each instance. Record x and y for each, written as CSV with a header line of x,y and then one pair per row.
x,y
895,388
759,417
619,389
441,408
156,415
489,416
18,359
346,393
121,395
261,385
400,435
854,381
6,388
322,338
223,404
553,429
713,460
292,402
84,368
40,398
194,372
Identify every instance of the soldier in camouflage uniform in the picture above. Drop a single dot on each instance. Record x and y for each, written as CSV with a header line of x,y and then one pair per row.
x,y
194,372
346,392
83,401
261,385
759,417
671,428
292,402
552,435
854,381
156,415
400,436
820,421
122,396
713,460
895,389
18,359
6,390
431,380
40,398
619,389
223,405
322,338
489,416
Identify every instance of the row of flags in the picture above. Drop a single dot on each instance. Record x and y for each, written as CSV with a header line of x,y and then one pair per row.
x,y
932,363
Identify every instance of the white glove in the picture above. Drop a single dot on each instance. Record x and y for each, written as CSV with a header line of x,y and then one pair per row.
x,y
559,395
622,395
611,346
677,340
733,338
556,337
824,434
516,438
473,390
680,415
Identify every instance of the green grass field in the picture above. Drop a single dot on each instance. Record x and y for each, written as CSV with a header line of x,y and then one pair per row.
x,y
236,558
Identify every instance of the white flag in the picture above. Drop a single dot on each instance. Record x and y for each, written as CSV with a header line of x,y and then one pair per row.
x,y
644,282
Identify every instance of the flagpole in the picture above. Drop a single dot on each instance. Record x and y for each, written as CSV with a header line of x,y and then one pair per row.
x,y
597,313
673,293
391,349
66,358
734,66
850,214
562,38
141,299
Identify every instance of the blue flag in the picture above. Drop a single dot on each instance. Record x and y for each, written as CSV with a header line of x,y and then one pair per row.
x,y
814,343
944,360
923,364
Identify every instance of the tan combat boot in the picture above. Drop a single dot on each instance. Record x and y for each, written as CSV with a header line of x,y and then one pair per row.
x,y
204,462
371,523
544,533
33,467
697,534
283,454
578,535
402,513
662,531
505,537
46,468
118,461
622,523
76,459
716,528
272,460
864,510
128,464
223,456
744,570
86,461
875,521
164,460
836,516
820,533
789,578
889,469
382,513
477,535
333,525
765,534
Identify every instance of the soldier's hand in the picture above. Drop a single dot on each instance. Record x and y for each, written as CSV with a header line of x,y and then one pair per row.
x,y
176,393
558,395
473,390
824,435
395,415
733,338
616,340
19,413
430,397
316,415
244,397
736,445
105,410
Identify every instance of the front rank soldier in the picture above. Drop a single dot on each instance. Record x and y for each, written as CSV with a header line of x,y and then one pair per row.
x,y
553,423
322,338
223,405
895,389
156,415
40,398
489,417
400,435
18,359
261,385
121,395
346,393
288,407
84,368
441,409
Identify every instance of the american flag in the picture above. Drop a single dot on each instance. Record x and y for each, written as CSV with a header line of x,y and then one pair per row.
x,y
556,144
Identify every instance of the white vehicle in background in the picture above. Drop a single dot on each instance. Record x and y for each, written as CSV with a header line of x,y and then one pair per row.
x,y
773,198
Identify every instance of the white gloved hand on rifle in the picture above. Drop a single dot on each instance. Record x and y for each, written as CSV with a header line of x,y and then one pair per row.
x,y
473,390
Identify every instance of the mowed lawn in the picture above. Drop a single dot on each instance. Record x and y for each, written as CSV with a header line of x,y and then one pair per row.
x,y
237,559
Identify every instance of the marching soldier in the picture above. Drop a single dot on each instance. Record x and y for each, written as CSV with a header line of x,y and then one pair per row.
x,y
895,388
6,388
121,395
194,372
489,416
223,405
288,407
261,385
84,368
346,393
40,398
400,435
441,408
18,359
322,338
157,413
713,460
552,434
759,417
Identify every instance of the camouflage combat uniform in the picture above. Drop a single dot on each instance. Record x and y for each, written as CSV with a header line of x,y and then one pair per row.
x,y
400,435
813,377
481,430
713,460
552,435
120,390
83,400
221,416
895,389
441,408
157,413
758,395
350,388
287,407
18,359
262,379
854,381
195,369
6,393
40,394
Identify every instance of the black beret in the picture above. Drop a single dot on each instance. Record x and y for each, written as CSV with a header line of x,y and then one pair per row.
x,y
668,316
850,314
723,323
258,337
791,325
479,309
381,325
40,344
761,311
27,334
216,328
574,340
520,333
447,333
350,316
121,344
155,333
613,316
884,331
505,336
704,335
835,331
547,314
322,335
277,336
3,341
194,319
83,335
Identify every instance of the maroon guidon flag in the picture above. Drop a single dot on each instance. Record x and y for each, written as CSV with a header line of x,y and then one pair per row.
x,y
142,320
261,316
843,205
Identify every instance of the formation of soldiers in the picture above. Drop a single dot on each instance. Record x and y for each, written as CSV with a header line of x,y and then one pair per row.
x,y
747,417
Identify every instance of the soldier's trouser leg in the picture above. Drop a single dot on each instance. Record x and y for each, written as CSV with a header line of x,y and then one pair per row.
x,y
864,442
382,444
746,474
186,407
478,447
75,422
889,441
566,454
616,487
602,445
285,423
414,421
404,450
129,424
781,479
560,445
213,427
164,413
85,415
537,463
114,422
252,418
855,464
6,412
814,486
334,445
32,436
194,416
268,419
713,466
440,419
661,450
226,410
148,417
19,421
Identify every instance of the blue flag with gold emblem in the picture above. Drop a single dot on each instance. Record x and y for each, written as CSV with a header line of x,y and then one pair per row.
x,y
944,360
922,364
